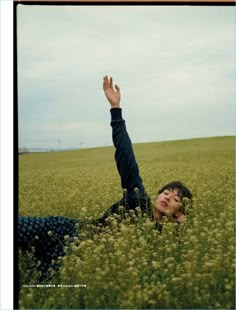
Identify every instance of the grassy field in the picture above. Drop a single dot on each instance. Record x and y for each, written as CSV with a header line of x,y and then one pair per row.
x,y
128,266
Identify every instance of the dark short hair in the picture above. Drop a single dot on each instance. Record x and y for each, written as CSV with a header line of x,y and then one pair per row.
x,y
183,191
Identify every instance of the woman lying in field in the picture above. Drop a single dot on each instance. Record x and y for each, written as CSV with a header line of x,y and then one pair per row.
x,y
46,234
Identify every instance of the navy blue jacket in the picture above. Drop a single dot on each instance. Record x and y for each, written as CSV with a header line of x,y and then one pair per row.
x,y
131,182
46,234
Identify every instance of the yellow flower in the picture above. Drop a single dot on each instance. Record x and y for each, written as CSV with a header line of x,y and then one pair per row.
x,y
155,264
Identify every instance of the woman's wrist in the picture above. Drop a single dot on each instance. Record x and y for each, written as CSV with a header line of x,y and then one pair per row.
x,y
115,105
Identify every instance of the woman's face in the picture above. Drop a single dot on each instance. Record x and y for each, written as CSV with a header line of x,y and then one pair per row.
x,y
168,202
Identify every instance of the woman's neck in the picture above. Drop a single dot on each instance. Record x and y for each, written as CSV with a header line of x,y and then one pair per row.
x,y
157,216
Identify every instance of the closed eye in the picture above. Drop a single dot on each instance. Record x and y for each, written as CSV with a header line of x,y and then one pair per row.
x,y
177,199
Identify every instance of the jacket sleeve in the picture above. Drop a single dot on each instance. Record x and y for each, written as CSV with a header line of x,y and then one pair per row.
x,y
31,229
128,170
124,155
45,235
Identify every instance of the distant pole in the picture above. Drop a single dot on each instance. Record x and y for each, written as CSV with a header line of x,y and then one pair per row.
x,y
59,144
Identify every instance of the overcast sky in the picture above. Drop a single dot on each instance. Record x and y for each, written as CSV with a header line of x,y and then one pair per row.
x,y
175,66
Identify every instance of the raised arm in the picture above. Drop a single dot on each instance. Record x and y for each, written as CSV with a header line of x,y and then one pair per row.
x,y
124,155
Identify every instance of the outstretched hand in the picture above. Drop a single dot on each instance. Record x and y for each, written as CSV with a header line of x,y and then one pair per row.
x,y
113,95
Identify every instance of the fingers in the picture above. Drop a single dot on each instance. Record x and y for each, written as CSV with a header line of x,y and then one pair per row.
x,y
105,82
117,88
111,82
108,83
105,79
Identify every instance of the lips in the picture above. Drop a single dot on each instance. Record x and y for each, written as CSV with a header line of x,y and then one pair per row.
x,y
164,204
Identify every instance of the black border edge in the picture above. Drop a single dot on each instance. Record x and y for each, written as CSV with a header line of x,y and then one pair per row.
x,y
15,163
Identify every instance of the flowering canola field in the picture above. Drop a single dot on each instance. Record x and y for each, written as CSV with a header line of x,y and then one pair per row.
x,y
133,266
